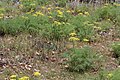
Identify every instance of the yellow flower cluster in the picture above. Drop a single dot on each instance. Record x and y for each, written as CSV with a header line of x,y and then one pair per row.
x,y
38,13
36,74
1,15
86,13
15,77
49,8
109,75
57,23
74,39
50,16
80,14
43,7
60,13
72,34
30,11
85,40
68,11
116,4
24,78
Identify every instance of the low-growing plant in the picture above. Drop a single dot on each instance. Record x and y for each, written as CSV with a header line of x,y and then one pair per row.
x,y
116,50
107,12
81,60
108,75
83,26
115,75
28,5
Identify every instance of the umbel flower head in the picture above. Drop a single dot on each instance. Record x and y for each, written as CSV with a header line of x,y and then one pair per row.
x,y
74,39
86,13
72,34
109,75
36,74
60,12
85,40
24,78
13,76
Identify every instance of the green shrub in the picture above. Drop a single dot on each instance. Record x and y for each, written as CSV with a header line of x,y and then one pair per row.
x,y
115,75
116,50
43,2
108,75
81,60
61,3
105,25
28,5
107,12
83,26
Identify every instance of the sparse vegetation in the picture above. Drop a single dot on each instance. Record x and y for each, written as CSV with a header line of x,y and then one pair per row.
x,y
59,40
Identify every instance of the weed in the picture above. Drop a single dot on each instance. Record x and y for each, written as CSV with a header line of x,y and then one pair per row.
x,y
81,60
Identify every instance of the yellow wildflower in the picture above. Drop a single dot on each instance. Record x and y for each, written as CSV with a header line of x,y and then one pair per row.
x,y
85,40
109,75
106,4
59,12
12,79
24,78
116,4
36,74
86,13
13,76
108,19
72,34
43,7
80,14
49,8
50,16
35,15
57,23
74,39
68,11
39,13
57,7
